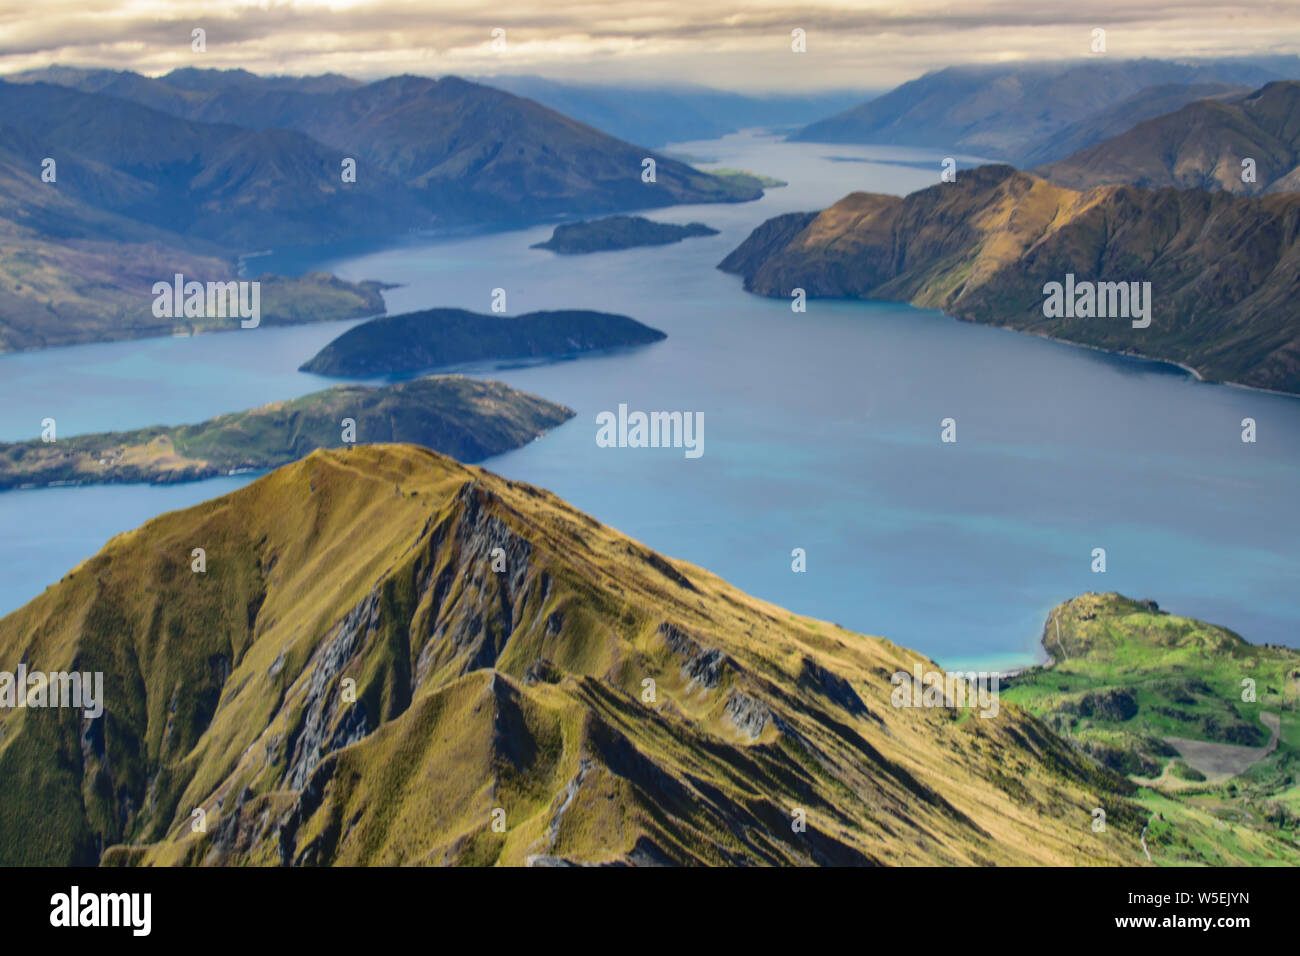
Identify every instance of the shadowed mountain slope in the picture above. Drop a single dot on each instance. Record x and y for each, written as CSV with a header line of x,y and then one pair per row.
x,y
446,149
1201,146
1003,111
1111,122
1224,270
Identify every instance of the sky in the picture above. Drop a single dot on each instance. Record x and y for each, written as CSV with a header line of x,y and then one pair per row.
x,y
850,44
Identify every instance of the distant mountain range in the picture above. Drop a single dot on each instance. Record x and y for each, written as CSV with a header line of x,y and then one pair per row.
x,y
153,177
1146,104
391,658
660,115
1016,113
430,151
1203,145
1223,269
234,187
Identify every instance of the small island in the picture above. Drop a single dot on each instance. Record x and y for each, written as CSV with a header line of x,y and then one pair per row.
x,y
461,417
618,232
437,338
743,177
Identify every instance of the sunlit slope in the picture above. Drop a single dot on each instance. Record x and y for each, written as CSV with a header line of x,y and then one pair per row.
x,y
1207,722
1221,269
522,691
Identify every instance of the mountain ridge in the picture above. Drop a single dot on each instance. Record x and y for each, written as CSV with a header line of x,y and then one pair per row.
x,y
1222,268
999,112
521,690
1203,145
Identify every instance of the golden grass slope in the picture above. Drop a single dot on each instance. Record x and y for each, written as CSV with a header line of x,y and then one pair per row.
x,y
516,697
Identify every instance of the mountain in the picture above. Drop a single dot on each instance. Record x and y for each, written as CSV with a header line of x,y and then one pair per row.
x,y
618,232
1205,720
238,188
437,338
468,153
392,658
129,207
1201,146
204,81
659,115
1001,111
178,85
1144,105
451,414
1223,269
184,173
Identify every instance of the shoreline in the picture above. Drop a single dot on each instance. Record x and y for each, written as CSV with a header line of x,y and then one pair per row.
x,y
1196,375
1145,358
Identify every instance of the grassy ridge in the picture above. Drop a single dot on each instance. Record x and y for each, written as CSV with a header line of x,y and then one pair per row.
x,y
521,689
464,417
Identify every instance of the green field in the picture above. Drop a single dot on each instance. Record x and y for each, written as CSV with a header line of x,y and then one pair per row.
x,y
1161,699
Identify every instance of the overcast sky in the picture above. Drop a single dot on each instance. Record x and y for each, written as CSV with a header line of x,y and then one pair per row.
x,y
736,45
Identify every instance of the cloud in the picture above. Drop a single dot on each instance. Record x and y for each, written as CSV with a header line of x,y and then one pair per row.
x,y
851,43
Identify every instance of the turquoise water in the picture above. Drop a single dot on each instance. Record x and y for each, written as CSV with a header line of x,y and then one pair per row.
x,y
821,432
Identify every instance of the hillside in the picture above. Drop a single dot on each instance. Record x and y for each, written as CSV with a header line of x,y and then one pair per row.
x,y
469,419
71,293
1110,122
515,696
1160,698
1001,112
437,338
1223,269
618,232
1200,146
241,189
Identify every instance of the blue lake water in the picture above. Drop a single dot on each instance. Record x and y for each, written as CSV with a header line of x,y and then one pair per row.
x,y
822,432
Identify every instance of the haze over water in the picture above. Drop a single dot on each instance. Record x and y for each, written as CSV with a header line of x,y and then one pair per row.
x,y
821,431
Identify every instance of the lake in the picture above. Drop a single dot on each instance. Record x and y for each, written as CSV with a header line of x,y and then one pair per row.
x,y
822,432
